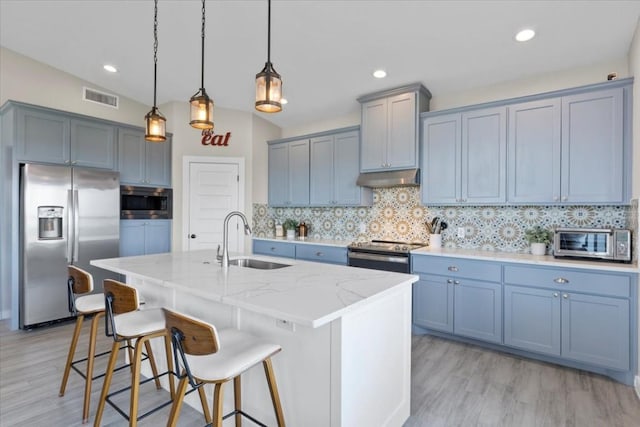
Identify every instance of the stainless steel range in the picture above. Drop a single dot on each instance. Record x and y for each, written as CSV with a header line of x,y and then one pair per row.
x,y
382,255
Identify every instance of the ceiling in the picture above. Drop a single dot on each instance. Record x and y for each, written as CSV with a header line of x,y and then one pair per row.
x,y
324,50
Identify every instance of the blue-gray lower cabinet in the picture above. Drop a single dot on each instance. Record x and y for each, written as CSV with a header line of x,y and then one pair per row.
x,y
322,253
433,303
577,315
477,311
268,247
144,237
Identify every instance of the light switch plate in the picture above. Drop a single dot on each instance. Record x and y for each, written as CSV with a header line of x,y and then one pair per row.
x,y
461,232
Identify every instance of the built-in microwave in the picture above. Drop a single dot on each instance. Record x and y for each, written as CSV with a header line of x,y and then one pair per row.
x,y
599,243
145,202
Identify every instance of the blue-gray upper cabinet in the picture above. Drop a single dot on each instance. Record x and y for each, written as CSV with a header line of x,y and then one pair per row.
x,y
390,128
141,162
289,173
568,149
593,169
534,152
52,137
464,157
334,171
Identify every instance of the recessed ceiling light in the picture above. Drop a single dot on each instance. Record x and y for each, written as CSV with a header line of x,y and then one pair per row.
x,y
110,68
525,35
283,101
379,74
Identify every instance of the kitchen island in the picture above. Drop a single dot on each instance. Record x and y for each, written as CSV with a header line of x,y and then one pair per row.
x,y
345,331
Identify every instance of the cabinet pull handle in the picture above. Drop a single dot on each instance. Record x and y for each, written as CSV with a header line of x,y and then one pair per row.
x,y
565,296
319,254
452,268
561,280
456,282
273,248
555,295
450,281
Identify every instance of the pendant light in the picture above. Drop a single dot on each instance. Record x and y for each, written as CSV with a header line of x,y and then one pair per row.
x,y
268,81
201,104
155,121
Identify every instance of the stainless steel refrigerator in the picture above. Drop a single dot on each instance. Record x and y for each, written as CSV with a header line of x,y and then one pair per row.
x,y
67,216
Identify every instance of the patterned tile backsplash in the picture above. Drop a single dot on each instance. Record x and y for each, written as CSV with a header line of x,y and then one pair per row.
x,y
397,214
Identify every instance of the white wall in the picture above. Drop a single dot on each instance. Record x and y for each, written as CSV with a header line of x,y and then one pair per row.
x,y
25,80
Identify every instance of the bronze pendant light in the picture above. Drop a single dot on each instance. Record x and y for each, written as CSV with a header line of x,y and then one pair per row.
x,y
201,104
268,81
155,121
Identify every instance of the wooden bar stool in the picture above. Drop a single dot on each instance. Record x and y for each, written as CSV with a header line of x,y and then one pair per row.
x,y
125,322
79,284
209,356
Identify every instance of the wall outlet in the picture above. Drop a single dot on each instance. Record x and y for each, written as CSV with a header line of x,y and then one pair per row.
x,y
461,232
285,324
362,227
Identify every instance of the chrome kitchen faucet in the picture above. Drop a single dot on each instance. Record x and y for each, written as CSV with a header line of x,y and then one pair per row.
x,y
224,258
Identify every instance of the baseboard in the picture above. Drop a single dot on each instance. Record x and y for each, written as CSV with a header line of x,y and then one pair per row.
x,y
637,385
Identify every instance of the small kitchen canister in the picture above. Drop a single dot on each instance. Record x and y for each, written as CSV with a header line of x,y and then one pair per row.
x,y
435,241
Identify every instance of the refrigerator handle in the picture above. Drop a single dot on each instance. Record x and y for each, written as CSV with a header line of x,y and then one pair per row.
x,y
76,234
69,226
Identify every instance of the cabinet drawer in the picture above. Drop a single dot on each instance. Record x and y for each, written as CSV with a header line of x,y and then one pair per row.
x,y
282,249
456,267
321,253
569,280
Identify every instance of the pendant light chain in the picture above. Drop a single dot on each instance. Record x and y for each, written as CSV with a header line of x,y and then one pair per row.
x,y
269,33
155,51
202,35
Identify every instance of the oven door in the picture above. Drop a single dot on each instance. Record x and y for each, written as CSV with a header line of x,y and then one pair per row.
x,y
376,261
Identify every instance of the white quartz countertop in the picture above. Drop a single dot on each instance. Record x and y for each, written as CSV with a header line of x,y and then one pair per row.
x,y
307,240
528,259
307,293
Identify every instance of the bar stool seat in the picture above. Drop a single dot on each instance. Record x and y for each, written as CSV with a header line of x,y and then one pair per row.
x,y
82,303
138,323
209,356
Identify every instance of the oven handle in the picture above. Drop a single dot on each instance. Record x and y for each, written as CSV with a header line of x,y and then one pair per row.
x,y
376,257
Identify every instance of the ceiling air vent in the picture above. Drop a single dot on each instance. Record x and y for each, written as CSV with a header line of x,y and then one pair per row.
x,y
96,96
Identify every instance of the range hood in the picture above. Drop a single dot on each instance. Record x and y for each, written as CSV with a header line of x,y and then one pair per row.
x,y
384,179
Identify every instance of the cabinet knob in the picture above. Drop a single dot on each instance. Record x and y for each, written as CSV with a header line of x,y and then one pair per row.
x,y
193,236
565,296
555,295
452,268
456,282
555,198
565,198
561,280
450,281
273,248
319,254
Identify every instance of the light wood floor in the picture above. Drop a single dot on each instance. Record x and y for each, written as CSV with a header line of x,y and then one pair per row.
x,y
453,384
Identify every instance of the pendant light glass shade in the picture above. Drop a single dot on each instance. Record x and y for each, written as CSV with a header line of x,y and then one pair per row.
x,y
268,81
201,104
155,128
268,90
201,110
155,121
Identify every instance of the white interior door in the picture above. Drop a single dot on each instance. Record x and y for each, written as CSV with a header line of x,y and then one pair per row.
x,y
214,188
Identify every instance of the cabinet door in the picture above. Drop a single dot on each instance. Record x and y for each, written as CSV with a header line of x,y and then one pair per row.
x,y
278,174
346,170
592,147
132,237
532,319
157,236
158,163
441,159
281,249
299,172
322,253
484,156
322,171
478,309
131,156
534,152
42,137
374,135
402,139
93,144
596,330
433,303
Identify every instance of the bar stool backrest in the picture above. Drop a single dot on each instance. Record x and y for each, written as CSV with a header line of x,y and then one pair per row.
x,y
195,337
120,298
81,282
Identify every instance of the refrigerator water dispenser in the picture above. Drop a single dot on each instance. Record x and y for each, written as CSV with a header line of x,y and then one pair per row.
x,y
49,222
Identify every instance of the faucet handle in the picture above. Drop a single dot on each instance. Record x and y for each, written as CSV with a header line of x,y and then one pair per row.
x,y
218,254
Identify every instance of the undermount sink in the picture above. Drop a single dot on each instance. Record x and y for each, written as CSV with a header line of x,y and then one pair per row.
x,y
256,263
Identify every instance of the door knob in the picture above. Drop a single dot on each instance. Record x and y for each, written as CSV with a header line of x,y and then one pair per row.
x,y
193,236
